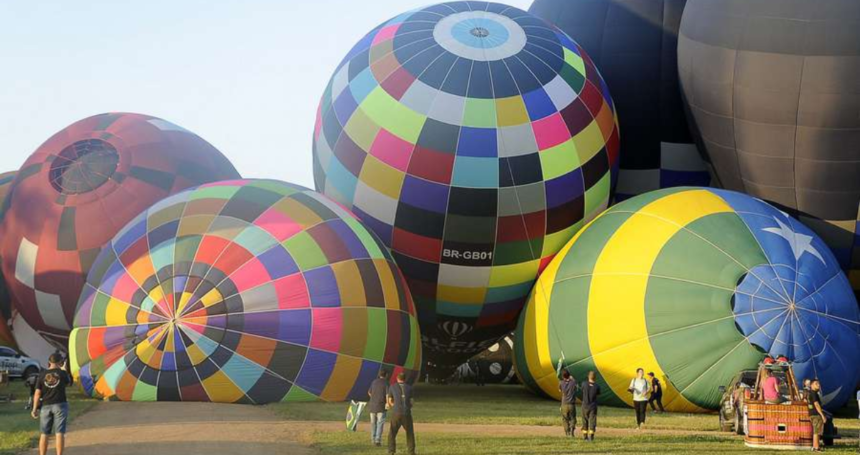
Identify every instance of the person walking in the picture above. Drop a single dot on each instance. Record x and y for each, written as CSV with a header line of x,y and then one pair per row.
x,y
567,387
31,382
816,414
479,372
400,403
656,394
49,402
590,392
378,394
639,387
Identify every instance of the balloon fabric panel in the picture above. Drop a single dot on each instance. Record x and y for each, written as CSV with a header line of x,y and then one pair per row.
x,y
76,191
474,139
695,285
249,291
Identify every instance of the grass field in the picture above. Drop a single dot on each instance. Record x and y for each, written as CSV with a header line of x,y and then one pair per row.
x,y
513,405
18,430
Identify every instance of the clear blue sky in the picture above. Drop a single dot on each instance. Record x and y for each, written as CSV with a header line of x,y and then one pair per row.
x,y
244,75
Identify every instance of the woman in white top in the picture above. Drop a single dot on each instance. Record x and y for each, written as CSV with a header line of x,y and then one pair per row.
x,y
640,388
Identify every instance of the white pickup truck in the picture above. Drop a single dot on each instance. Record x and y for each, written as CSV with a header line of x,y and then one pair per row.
x,y
18,365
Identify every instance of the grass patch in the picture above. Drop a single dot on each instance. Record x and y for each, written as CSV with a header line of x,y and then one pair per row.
x,y
18,431
453,444
496,405
513,405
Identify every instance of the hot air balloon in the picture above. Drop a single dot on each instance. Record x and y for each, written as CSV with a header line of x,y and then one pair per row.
x,y
77,191
249,291
772,92
634,44
474,139
694,285
6,338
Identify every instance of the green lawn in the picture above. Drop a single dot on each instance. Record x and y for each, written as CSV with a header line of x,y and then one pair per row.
x,y
514,405
18,430
500,404
452,444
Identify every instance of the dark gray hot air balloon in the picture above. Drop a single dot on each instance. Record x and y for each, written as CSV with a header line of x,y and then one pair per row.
x,y
633,43
773,88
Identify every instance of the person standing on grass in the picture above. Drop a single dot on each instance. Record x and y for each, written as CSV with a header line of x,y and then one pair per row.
x,y
49,402
640,387
816,414
590,392
656,393
567,387
400,403
378,394
858,401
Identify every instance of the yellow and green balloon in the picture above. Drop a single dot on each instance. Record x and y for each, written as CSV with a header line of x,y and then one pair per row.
x,y
693,285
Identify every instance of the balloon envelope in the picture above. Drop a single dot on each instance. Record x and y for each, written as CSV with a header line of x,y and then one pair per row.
x,y
772,90
6,338
250,291
474,139
76,191
694,285
634,44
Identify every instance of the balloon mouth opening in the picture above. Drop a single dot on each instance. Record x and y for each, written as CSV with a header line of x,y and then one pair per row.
x,y
83,166
480,32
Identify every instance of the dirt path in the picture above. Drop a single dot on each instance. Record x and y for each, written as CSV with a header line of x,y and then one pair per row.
x,y
180,428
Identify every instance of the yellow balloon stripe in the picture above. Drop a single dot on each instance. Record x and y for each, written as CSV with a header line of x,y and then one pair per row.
x,y
542,366
617,331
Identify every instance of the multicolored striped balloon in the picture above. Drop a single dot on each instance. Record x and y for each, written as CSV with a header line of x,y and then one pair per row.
x,y
694,285
248,291
76,191
475,139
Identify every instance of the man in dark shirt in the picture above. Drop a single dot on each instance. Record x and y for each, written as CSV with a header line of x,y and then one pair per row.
x,y
590,392
567,387
816,413
376,406
400,403
656,393
49,402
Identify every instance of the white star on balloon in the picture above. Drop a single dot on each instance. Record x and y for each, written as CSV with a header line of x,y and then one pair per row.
x,y
799,243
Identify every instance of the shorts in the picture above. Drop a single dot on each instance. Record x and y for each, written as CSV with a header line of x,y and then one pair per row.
x,y
52,418
817,424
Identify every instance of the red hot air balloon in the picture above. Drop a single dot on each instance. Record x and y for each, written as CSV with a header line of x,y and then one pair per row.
x,y
77,191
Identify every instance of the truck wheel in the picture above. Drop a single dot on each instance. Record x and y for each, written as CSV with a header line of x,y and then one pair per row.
x,y
30,371
739,423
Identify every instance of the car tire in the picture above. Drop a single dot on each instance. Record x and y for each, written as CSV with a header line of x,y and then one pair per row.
x,y
725,425
739,423
29,371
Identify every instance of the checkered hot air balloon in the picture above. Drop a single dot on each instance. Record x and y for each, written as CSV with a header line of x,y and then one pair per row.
x,y
475,140
6,338
249,291
76,191
694,285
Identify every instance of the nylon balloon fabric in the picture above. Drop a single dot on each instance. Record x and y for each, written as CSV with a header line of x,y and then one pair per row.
x,y
474,139
6,338
249,291
694,285
76,191
634,43
771,87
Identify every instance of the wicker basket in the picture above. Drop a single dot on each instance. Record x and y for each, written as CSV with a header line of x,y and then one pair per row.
x,y
778,426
